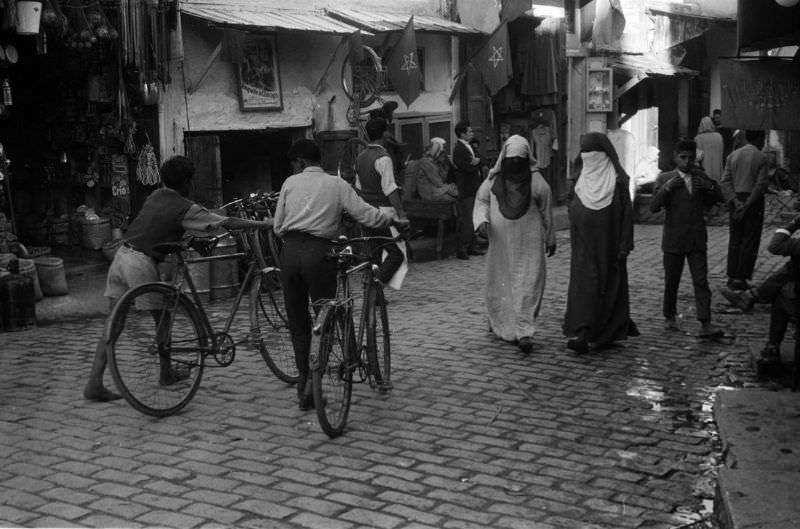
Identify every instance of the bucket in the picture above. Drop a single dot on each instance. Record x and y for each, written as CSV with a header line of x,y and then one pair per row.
x,y
224,272
29,15
52,279
200,274
96,233
28,268
17,302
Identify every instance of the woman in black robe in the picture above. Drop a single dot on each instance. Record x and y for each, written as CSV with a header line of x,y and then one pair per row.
x,y
601,232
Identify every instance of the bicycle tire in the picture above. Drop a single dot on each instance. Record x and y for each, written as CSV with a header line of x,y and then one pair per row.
x,y
331,370
269,326
378,342
138,357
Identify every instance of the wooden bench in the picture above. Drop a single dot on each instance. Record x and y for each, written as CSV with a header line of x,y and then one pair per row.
x,y
438,210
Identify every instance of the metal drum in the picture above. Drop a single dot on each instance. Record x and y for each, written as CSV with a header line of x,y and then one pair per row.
x,y
200,274
224,272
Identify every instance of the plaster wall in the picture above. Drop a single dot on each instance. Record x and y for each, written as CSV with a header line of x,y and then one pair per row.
x,y
213,103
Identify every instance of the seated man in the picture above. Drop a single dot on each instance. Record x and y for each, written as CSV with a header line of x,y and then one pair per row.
x,y
778,290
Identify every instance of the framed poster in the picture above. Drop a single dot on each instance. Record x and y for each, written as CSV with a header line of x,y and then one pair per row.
x,y
259,78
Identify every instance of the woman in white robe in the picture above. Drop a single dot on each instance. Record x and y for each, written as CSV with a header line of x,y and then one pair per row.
x,y
513,209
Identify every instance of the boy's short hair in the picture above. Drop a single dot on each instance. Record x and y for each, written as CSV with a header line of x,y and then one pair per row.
x,y
686,145
461,128
375,128
177,171
305,149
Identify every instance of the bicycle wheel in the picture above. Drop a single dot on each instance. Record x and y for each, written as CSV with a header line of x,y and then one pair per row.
x,y
269,327
378,345
157,346
331,370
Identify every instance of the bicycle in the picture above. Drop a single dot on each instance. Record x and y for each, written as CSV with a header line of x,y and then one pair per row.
x,y
160,335
338,348
260,206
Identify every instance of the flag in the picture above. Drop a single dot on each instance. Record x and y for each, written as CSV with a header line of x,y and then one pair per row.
x,y
494,60
512,9
602,22
403,65
356,49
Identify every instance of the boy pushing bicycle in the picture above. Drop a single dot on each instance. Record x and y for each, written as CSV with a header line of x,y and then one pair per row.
x,y
165,216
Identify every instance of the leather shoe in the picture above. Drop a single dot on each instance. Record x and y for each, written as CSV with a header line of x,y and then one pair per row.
x,y
578,345
770,353
526,344
738,284
473,251
462,255
741,299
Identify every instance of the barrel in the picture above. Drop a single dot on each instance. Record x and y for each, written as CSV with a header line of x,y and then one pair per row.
x,y
52,279
96,233
224,272
17,302
28,268
200,274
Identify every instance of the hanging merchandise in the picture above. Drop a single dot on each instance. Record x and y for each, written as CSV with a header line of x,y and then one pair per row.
x,y
147,170
130,144
7,99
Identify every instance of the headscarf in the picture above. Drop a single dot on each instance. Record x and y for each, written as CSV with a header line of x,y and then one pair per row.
x,y
706,125
512,181
599,169
435,146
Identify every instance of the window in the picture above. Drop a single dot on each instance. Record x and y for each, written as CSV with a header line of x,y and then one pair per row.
x,y
417,132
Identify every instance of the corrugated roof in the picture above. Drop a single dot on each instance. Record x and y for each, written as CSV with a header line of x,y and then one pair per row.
x,y
252,15
649,64
379,22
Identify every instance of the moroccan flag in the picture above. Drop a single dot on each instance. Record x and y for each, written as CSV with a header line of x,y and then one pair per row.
x,y
355,48
403,65
494,60
511,9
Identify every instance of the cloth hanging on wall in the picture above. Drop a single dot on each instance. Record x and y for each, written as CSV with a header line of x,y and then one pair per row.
x,y
540,68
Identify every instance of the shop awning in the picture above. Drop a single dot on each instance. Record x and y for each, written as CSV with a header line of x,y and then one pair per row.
x,y
380,22
250,15
648,65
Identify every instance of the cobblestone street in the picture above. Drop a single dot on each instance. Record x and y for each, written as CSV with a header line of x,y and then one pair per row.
x,y
474,434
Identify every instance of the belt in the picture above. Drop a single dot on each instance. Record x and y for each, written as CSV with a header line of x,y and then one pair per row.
x,y
135,249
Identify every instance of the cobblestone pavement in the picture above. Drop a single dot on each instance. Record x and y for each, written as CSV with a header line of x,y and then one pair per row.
x,y
474,434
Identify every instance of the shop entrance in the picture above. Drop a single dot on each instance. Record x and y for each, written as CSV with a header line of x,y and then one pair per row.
x,y
231,164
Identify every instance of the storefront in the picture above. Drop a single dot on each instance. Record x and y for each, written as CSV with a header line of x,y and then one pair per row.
x,y
79,121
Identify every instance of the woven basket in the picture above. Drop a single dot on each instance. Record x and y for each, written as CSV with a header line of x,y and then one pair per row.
x,y
96,233
110,248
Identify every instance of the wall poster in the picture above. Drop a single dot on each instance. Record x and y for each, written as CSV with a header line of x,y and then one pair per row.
x,y
259,78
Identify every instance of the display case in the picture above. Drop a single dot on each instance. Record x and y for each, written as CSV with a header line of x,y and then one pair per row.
x,y
599,90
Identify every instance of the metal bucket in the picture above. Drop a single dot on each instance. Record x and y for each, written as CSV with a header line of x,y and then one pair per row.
x,y
224,272
200,274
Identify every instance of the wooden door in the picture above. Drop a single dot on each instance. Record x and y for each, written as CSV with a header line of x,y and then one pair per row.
x,y
204,151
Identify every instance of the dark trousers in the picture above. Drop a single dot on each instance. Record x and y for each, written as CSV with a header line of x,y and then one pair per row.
x,y
394,256
745,237
305,273
698,267
466,231
784,310
769,289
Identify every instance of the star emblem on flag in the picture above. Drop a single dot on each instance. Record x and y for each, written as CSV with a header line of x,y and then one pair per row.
x,y
497,56
409,63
